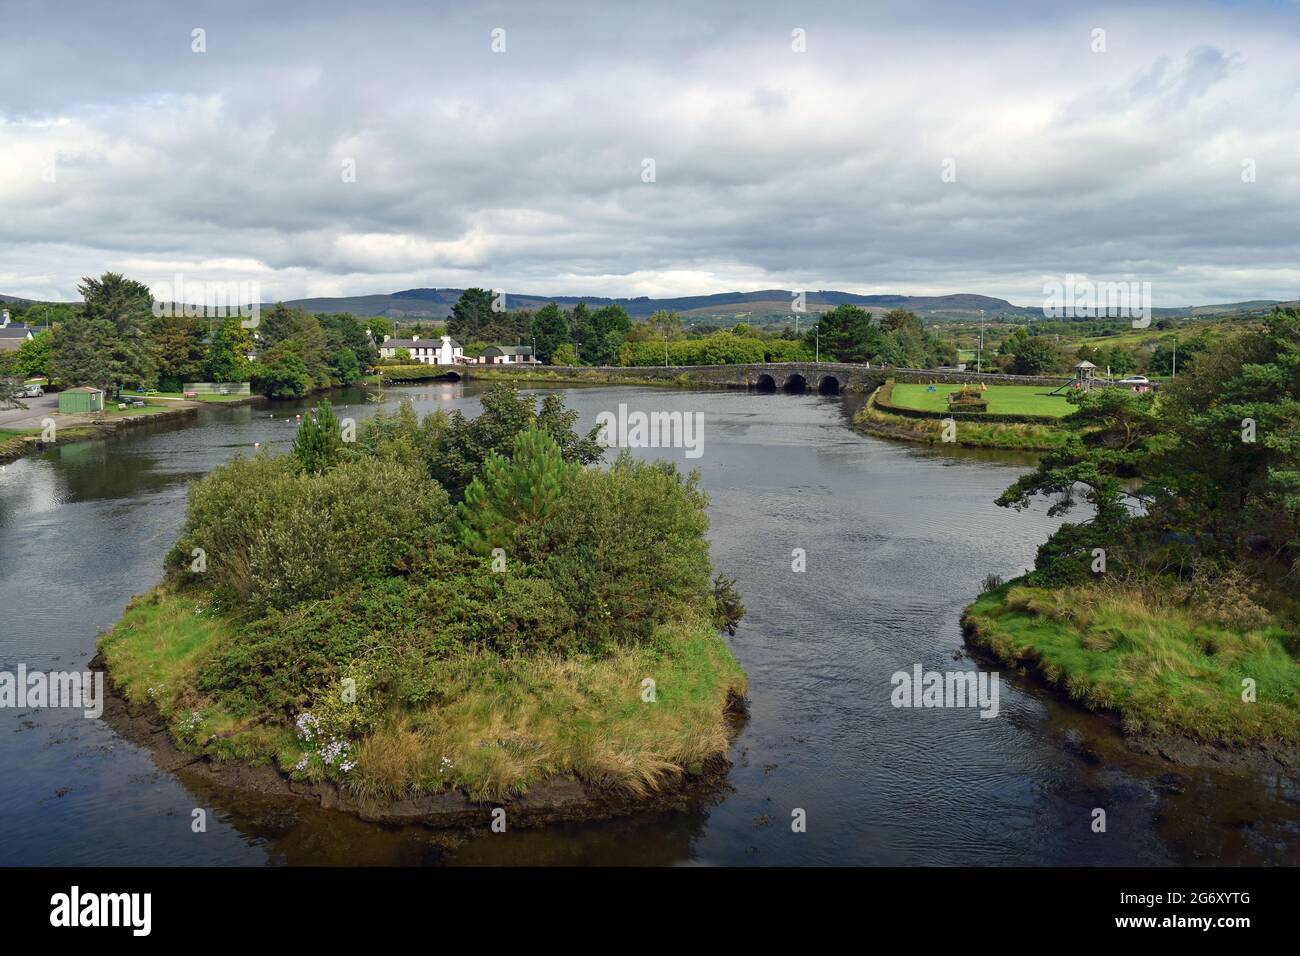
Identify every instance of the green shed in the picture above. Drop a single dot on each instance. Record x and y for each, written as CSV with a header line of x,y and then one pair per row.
x,y
81,399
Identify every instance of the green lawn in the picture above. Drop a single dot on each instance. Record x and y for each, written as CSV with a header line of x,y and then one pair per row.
x,y
112,411
1002,399
195,398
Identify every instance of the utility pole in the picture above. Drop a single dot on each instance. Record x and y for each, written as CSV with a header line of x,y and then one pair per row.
x,y
1175,374
817,331
979,354
665,350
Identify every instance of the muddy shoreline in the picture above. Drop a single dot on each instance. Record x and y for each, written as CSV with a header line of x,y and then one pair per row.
x,y
557,800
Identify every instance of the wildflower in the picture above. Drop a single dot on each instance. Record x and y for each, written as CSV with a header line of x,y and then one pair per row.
x,y
333,751
307,724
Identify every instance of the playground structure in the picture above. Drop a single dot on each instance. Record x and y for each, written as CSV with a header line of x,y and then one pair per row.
x,y
1085,376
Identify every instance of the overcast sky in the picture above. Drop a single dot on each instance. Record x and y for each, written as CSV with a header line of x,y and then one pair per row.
x,y
524,169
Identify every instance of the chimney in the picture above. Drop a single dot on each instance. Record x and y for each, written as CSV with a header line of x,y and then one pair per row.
x,y
4,316
446,340
415,338
387,337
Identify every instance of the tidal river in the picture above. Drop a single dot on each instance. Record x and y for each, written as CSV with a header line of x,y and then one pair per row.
x,y
897,540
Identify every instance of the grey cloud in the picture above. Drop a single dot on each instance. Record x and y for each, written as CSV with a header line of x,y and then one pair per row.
x,y
523,170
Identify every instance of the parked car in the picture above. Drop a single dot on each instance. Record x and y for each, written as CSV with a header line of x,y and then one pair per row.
x,y
31,391
1135,380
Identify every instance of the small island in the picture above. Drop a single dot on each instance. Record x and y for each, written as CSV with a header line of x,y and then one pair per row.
x,y
443,614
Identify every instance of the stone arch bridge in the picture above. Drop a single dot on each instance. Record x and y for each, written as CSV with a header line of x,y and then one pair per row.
x,y
825,378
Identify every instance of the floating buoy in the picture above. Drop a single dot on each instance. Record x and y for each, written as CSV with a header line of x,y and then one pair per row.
x,y
257,444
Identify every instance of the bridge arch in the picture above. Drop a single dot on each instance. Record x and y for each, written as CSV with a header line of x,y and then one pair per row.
x,y
765,383
453,376
829,385
796,384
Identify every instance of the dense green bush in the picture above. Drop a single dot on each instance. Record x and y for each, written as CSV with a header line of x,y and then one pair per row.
x,y
357,566
626,548
271,537
721,348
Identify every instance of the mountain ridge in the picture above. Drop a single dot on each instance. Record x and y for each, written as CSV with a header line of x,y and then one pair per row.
x,y
769,305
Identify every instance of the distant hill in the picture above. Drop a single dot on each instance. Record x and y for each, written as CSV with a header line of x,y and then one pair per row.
x,y
764,305
726,308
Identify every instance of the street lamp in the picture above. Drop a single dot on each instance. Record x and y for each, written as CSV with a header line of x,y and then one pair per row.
x,y
817,336
665,350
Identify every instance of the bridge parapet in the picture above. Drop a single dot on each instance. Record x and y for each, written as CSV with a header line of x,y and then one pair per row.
x,y
826,377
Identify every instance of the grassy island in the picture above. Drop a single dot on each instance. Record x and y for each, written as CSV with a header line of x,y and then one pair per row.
x,y
897,410
451,605
1176,602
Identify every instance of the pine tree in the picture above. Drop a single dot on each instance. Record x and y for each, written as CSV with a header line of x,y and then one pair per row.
x,y
318,445
513,491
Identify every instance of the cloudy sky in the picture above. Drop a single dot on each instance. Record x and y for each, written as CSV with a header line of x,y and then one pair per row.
x,y
122,148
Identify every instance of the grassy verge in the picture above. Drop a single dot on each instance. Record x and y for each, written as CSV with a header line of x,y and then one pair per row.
x,y
198,397
111,410
1164,666
1018,436
501,724
407,373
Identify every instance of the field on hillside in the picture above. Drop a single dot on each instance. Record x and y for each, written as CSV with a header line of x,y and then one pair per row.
x,y
1002,399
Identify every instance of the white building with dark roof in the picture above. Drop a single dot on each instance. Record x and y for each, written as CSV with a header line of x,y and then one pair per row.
x,y
508,355
444,351
12,336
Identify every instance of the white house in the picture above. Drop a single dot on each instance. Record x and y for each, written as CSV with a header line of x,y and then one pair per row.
x,y
13,336
444,351
508,355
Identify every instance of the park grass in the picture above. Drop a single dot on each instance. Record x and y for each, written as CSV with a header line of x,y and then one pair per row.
x,y
1011,436
503,724
1166,668
198,397
112,411
1002,399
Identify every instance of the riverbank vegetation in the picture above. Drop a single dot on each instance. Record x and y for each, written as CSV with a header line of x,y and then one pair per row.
x,y
1175,602
447,604
118,336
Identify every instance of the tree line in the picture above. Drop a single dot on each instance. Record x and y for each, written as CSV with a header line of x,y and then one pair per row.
x,y
114,339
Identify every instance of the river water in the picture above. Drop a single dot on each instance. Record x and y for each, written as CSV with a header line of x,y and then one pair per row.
x,y
898,539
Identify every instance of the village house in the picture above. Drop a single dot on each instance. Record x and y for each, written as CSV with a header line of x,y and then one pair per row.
x,y
444,351
12,336
508,355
